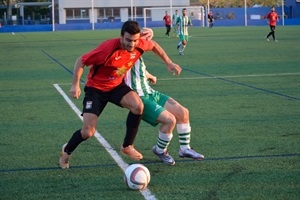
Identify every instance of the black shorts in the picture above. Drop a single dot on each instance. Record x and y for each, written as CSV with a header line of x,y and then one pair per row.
x,y
95,100
272,28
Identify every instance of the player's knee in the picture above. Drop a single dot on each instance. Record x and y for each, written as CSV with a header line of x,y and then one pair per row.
x,y
87,132
183,114
186,114
184,111
170,120
137,108
133,102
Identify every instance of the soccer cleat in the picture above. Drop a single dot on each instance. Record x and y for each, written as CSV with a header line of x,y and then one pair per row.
x,y
165,157
267,39
190,153
132,152
181,53
275,40
64,158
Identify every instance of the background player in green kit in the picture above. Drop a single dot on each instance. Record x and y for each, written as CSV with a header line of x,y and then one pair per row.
x,y
183,22
174,20
160,108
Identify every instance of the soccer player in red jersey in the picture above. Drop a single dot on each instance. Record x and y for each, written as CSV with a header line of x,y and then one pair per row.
x,y
108,65
273,18
168,21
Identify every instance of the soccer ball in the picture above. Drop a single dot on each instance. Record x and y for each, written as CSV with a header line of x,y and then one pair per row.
x,y
137,177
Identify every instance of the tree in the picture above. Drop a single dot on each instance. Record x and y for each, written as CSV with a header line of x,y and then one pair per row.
x,y
8,4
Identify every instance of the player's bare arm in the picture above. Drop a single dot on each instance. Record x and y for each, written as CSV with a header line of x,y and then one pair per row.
x,y
172,67
78,71
151,78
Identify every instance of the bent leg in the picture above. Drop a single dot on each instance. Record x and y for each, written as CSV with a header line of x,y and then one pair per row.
x,y
167,120
183,129
133,102
180,112
182,120
88,130
164,137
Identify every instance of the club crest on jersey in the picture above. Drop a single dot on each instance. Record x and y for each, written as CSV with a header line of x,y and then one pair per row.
x,y
88,105
132,56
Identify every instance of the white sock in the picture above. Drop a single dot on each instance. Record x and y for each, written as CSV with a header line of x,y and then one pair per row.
x,y
184,134
163,141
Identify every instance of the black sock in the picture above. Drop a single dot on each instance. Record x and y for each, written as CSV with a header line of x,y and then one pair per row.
x,y
132,124
75,140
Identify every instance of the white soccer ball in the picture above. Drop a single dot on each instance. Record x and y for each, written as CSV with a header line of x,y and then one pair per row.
x,y
137,177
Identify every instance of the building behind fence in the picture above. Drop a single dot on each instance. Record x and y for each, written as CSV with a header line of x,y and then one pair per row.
x,y
110,15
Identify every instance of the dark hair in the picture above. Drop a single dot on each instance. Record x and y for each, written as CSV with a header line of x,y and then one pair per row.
x,y
183,9
131,27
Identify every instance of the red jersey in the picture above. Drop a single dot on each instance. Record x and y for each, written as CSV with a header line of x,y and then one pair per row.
x,y
273,17
109,63
167,19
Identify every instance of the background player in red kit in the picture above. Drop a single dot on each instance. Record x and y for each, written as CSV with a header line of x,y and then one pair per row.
x,y
168,21
273,18
108,64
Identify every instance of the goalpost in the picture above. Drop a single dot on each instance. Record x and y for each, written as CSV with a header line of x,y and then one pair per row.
x,y
157,13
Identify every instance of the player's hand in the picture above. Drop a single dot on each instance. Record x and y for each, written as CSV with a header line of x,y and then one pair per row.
x,y
174,68
147,33
152,80
75,91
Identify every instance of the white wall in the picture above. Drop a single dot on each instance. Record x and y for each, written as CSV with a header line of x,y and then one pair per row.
x,y
95,15
120,3
124,14
63,4
62,15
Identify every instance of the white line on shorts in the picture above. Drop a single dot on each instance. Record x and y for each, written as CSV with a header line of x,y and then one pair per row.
x,y
122,164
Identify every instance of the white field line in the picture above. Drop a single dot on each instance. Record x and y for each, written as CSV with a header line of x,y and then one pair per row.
x,y
121,163
214,77
233,76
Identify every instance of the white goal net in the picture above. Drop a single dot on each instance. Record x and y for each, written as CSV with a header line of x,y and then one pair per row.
x,y
156,14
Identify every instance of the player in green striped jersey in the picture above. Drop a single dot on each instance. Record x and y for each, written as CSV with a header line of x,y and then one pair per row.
x,y
183,22
174,20
160,108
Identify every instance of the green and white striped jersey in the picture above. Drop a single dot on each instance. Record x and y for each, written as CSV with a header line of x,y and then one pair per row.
x,y
183,22
136,78
174,18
